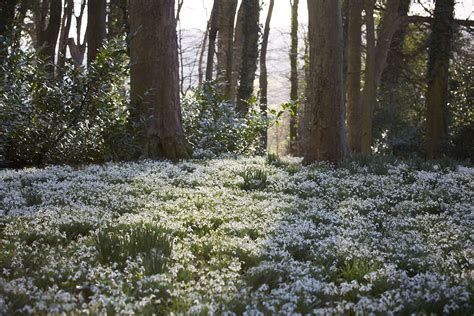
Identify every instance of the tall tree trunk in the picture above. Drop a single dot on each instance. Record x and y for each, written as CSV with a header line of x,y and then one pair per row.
x,y
325,88
370,82
263,70
96,23
201,55
64,34
48,23
225,41
237,54
213,29
248,66
154,77
442,34
388,26
294,96
354,54
392,72
78,49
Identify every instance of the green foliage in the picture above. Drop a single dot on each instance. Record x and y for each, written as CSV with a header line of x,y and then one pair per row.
x,y
151,243
277,161
254,179
213,126
356,269
70,116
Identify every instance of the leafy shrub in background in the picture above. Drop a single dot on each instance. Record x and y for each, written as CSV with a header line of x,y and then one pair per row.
x,y
213,126
74,115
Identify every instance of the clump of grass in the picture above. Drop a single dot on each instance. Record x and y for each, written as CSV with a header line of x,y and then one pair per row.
x,y
276,161
356,269
32,198
254,179
150,242
76,229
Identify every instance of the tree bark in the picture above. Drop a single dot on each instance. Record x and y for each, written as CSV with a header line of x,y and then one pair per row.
x,y
263,80
78,49
248,66
353,83
201,55
65,28
370,81
294,96
325,87
393,69
154,78
213,29
237,54
48,23
225,41
96,23
442,34
387,28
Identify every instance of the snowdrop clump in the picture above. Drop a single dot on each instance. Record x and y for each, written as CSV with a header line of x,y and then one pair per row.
x,y
237,236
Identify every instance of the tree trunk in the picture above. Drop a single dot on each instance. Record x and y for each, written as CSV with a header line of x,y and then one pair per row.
x,y
201,55
154,78
354,54
65,28
78,49
248,66
213,29
225,41
387,28
48,23
96,23
389,24
294,96
392,72
263,70
442,34
325,87
370,81
237,54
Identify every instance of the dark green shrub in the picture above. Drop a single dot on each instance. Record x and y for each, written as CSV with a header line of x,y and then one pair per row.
x,y
212,124
75,115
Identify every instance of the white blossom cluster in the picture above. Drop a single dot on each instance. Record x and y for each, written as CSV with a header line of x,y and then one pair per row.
x,y
304,240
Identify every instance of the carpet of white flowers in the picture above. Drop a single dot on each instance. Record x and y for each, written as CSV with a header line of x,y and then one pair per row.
x,y
233,236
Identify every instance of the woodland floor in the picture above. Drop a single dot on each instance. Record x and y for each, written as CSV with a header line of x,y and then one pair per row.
x,y
256,235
